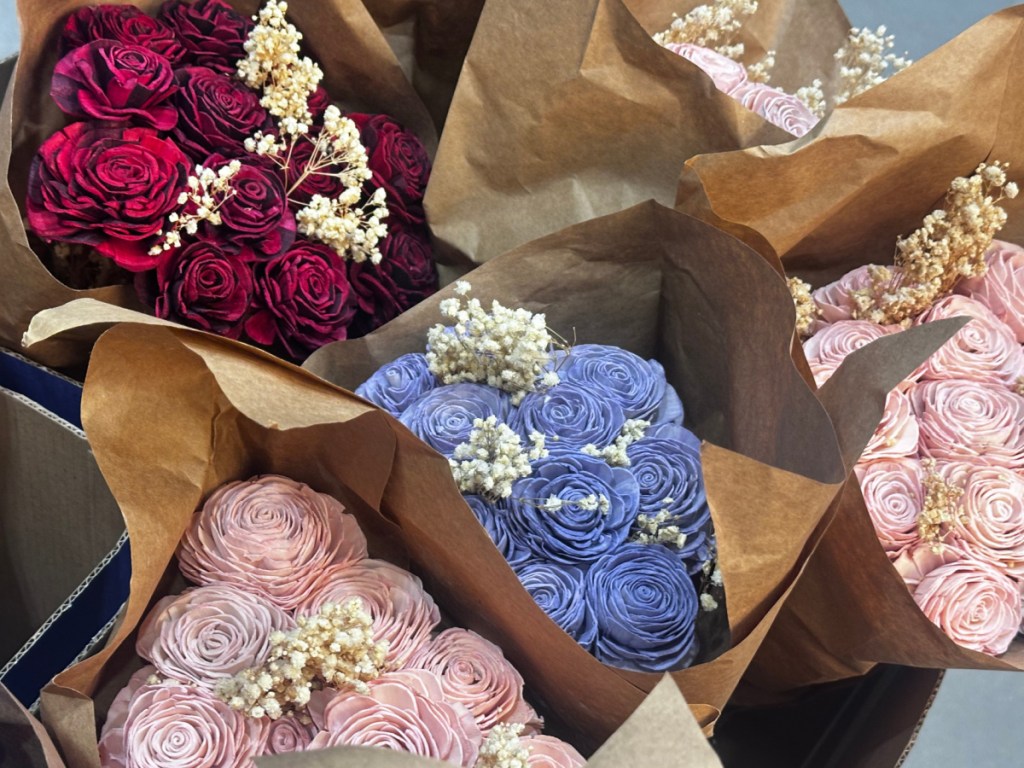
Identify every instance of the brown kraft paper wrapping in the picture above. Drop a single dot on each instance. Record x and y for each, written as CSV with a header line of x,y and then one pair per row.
x,y
23,740
362,74
566,111
818,211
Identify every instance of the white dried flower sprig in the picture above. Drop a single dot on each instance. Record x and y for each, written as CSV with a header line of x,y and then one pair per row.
x,y
941,508
761,71
207,191
508,349
594,502
335,648
865,61
493,459
503,749
950,245
615,454
659,529
273,64
711,26
807,310
813,98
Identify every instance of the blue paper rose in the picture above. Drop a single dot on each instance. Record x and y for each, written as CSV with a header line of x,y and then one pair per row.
x,y
396,385
574,533
493,518
558,589
444,416
569,415
670,409
645,606
638,385
676,432
670,478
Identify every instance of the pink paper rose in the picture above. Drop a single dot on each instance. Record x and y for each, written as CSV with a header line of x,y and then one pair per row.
x,y
176,725
917,561
726,74
969,419
474,672
1001,289
984,350
777,107
549,752
973,603
403,613
209,633
287,734
897,434
894,494
833,300
397,714
992,524
271,535
829,347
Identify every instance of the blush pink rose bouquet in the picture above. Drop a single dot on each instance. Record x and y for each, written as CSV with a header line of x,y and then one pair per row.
x,y
709,37
943,476
295,640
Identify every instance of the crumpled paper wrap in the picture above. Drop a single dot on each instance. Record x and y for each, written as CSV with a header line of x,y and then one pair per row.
x,y
567,111
820,209
363,74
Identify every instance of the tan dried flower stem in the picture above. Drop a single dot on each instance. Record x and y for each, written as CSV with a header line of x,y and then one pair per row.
x,y
941,508
949,246
806,309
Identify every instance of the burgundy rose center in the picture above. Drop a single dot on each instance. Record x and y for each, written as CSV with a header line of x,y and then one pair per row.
x,y
125,167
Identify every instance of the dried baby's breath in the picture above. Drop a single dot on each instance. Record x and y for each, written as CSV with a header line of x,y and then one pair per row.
x,y
941,508
615,454
503,748
806,308
207,191
493,459
865,61
711,26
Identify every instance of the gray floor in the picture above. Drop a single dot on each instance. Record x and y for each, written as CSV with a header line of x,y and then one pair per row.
x,y
975,720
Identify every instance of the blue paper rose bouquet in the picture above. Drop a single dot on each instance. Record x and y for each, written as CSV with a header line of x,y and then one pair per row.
x,y
575,461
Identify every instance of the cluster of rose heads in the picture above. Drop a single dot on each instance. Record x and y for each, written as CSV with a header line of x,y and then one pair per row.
x,y
943,475
264,555
608,528
153,174
773,104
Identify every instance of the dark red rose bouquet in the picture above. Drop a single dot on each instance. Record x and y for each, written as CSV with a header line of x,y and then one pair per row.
x,y
208,162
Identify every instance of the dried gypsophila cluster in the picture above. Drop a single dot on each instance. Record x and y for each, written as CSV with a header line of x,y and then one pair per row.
x,y
950,245
594,502
273,64
806,309
334,648
493,459
710,26
712,578
508,349
813,98
864,60
615,454
659,528
207,191
941,508
503,749
761,71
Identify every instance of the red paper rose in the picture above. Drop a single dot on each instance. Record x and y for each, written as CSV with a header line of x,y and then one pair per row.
x,y
110,187
324,182
305,299
123,23
108,80
256,214
399,164
216,113
205,285
211,31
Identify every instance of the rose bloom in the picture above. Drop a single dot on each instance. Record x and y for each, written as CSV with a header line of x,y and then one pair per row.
x,y
894,494
205,285
443,417
209,633
984,350
211,31
973,603
399,163
637,385
475,673
834,301
270,535
727,75
171,725
304,300
107,186
216,113
549,752
402,711
571,414
107,80
779,108
286,735
493,516
122,23
403,614
396,385
969,419
991,527
897,434
830,346
558,590
1001,288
